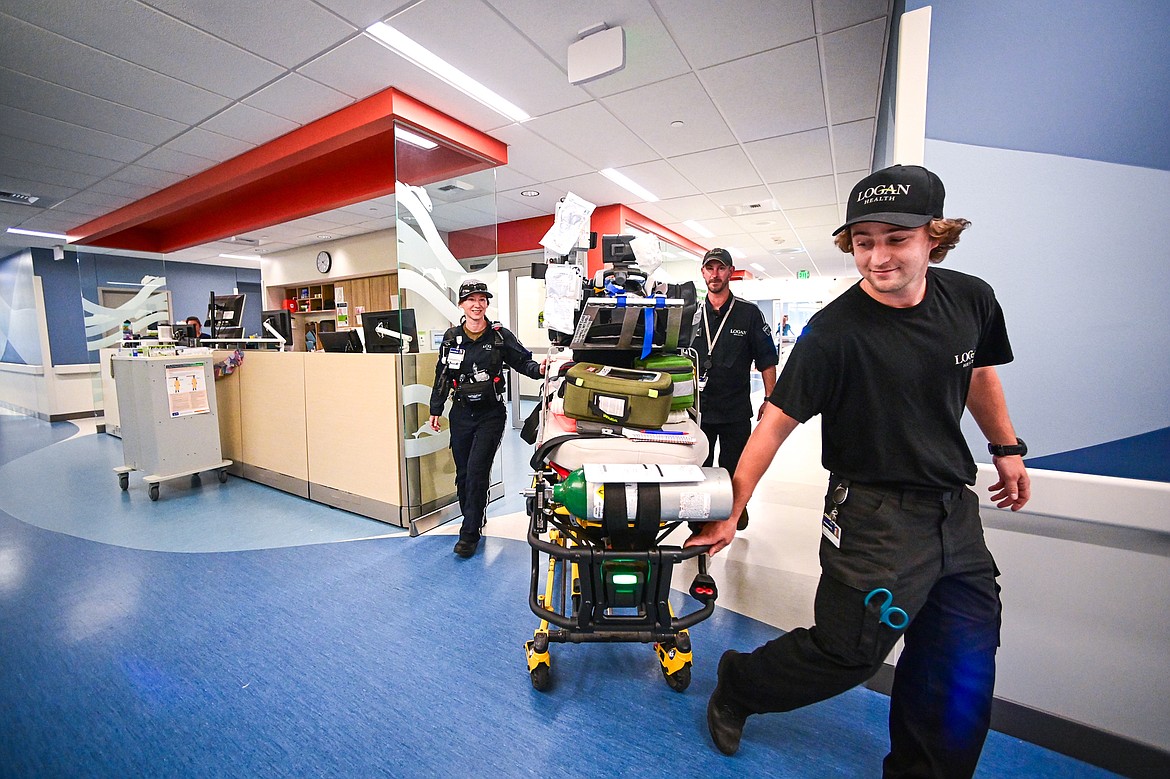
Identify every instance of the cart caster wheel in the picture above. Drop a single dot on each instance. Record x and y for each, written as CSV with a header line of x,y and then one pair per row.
x,y
541,677
222,477
195,480
154,492
680,679
124,481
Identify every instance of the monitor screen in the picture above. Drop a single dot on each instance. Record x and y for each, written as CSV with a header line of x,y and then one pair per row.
x,y
390,331
617,249
279,320
341,341
226,312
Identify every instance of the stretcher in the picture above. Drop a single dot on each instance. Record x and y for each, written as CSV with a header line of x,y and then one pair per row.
x,y
602,501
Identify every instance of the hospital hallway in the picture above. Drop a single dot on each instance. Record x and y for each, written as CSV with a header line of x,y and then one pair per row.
x,y
232,630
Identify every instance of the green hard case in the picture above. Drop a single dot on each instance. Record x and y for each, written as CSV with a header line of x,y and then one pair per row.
x,y
682,374
603,393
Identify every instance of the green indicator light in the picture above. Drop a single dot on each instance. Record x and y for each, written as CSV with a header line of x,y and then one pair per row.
x,y
625,578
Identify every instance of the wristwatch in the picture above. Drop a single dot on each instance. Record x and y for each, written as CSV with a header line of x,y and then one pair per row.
x,y
1006,450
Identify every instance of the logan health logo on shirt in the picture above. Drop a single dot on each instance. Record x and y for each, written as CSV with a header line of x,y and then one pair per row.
x,y
966,359
737,332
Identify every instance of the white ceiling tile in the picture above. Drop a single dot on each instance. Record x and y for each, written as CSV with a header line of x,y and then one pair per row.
x,y
66,135
590,133
363,13
648,111
853,145
774,93
749,27
168,159
491,51
212,146
289,33
795,156
12,182
651,54
532,155
740,197
697,207
729,166
596,189
818,191
121,189
151,177
28,93
853,67
137,33
813,217
59,158
509,178
248,124
298,99
33,169
31,50
846,181
833,14
661,178
104,200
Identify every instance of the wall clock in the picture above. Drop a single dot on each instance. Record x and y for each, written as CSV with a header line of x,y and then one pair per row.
x,y
324,261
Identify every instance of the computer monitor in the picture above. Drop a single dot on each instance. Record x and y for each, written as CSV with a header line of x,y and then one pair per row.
x,y
341,341
279,320
390,331
225,313
184,334
616,249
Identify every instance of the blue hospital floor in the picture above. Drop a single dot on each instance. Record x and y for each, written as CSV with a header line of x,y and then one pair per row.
x,y
233,630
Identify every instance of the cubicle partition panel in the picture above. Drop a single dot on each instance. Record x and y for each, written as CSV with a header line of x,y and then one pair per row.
x,y
272,413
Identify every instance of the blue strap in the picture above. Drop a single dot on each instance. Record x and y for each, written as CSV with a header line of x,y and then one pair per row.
x,y
648,334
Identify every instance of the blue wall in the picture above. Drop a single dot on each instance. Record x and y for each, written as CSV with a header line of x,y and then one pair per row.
x,y
189,284
1047,122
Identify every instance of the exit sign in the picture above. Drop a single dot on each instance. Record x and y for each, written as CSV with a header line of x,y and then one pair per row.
x,y
802,274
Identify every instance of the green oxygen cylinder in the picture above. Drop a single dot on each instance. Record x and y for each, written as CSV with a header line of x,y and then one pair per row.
x,y
705,500
573,493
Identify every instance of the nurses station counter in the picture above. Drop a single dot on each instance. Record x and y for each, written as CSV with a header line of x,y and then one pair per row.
x,y
346,430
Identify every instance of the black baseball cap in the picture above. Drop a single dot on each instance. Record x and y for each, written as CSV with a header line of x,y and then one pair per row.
x,y
473,287
902,195
718,255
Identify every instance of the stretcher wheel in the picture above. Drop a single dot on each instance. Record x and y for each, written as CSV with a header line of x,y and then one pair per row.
x,y
154,492
680,679
541,677
124,481
222,476
195,480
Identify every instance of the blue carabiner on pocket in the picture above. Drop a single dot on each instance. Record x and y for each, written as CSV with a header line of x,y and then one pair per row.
x,y
889,610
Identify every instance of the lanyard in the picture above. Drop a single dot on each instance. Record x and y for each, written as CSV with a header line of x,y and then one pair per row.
x,y
707,327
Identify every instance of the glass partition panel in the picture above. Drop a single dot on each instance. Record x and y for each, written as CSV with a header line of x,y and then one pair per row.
x,y
446,233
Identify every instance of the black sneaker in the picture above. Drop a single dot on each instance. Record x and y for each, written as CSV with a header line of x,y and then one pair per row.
x,y
465,548
725,718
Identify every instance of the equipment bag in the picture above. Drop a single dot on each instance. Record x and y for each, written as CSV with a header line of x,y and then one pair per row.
x,y
682,374
604,393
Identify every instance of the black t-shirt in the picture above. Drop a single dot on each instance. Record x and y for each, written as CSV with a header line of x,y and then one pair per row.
x,y
744,339
891,383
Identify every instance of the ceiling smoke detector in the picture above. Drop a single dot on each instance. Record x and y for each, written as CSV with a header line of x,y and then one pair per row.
x,y
241,240
755,207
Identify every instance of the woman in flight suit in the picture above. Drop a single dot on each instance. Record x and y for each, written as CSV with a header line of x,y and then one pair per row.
x,y
471,369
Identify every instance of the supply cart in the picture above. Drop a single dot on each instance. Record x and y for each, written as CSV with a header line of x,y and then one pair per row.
x,y
167,409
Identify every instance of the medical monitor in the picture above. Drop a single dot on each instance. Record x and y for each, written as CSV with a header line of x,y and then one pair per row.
x,y
390,331
341,341
616,249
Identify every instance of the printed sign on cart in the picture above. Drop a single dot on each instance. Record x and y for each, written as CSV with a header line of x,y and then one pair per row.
x,y
186,390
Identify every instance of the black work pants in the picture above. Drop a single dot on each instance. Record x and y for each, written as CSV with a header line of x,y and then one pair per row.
x,y
928,551
732,438
476,432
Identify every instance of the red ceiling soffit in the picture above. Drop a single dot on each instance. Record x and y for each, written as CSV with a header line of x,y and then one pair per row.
x,y
340,159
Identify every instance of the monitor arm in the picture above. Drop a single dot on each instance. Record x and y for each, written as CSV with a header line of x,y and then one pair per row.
x,y
388,333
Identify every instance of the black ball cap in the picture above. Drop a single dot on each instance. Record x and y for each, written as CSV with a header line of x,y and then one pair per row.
x,y
718,255
473,287
902,195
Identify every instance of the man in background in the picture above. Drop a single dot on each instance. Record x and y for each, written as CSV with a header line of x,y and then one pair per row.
x,y
731,336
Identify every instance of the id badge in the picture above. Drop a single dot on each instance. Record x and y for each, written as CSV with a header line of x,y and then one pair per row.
x,y
454,357
702,383
831,530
